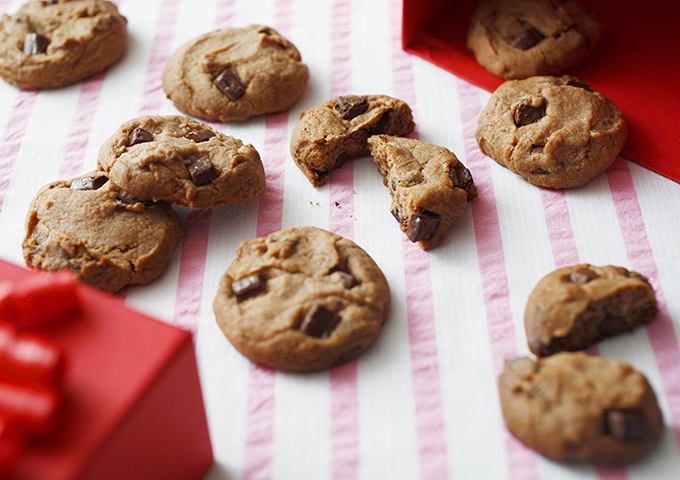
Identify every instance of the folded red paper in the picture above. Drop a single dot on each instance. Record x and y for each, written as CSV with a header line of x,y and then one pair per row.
x,y
131,404
637,66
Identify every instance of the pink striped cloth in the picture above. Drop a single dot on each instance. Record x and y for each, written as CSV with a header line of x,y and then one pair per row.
x,y
422,403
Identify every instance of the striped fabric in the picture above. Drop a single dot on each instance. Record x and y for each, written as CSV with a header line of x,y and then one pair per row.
x,y
423,402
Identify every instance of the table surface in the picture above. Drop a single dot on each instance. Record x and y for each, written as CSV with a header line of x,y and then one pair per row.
x,y
423,401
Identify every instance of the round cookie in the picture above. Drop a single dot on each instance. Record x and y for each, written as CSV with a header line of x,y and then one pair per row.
x,y
50,44
336,131
104,234
554,132
575,307
179,160
302,299
516,39
574,407
429,186
235,73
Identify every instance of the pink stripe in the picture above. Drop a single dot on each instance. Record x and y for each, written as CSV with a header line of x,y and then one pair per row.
x,y
13,137
344,422
270,214
81,126
153,94
560,230
4,5
429,410
521,460
225,13
662,335
260,423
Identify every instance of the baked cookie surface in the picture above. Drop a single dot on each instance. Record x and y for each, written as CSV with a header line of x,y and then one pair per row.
x,y
177,159
575,307
516,39
555,132
302,299
235,73
58,43
429,186
337,130
107,236
574,407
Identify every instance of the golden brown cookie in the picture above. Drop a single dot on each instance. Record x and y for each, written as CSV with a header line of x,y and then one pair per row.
x,y
49,44
336,131
302,299
106,235
573,407
516,39
235,73
429,186
176,159
554,132
575,307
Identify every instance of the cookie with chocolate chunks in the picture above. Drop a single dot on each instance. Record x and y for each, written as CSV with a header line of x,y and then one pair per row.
x,y
336,131
58,43
302,299
429,186
516,39
555,132
182,161
575,307
574,407
107,236
235,73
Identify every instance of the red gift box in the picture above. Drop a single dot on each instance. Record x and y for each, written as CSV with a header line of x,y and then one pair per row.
x,y
637,66
131,406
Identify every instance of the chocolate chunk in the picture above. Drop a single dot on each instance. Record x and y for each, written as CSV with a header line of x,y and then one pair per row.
x,y
202,171
230,85
397,217
129,199
201,136
540,171
351,106
347,279
526,114
625,425
89,183
529,37
422,226
583,276
381,124
461,177
319,322
34,43
575,82
139,135
247,287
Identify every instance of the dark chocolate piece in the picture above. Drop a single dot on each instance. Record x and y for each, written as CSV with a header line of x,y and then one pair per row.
x,y
89,183
381,124
526,114
583,276
139,135
230,85
202,136
575,82
319,322
461,177
247,287
129,199
351,106
202,171
422,226
530,37
34,43
626,425
347,279
540,171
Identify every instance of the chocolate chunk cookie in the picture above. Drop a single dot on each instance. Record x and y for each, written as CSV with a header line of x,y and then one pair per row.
x,y
430,187
49,44
302,299
575,307
577,407
335,131
182,161
554,132
235,73
106,235
516,39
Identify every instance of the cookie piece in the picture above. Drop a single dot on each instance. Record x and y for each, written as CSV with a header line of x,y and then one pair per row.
x,y
302,299
179,160
58,43
429,186
582,408
554,132
575,307
106,235
235,73
516,39
336,131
